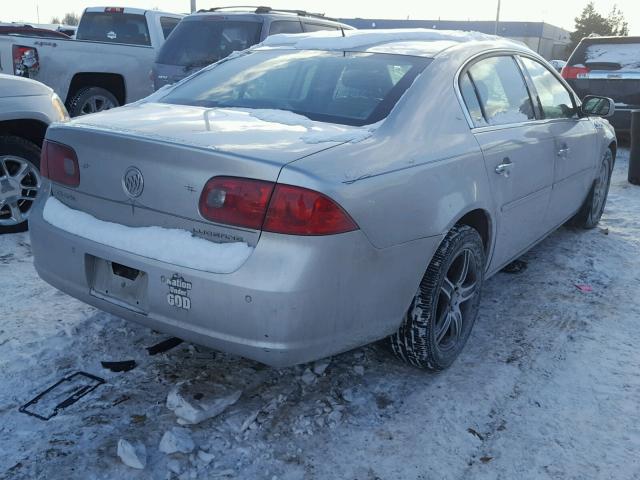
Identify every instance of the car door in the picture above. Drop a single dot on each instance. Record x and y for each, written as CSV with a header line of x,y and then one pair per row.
x,y
576,155
518,152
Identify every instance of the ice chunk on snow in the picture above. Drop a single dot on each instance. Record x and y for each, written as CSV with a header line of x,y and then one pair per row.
x,y
320,366
177,440
191,406
308,377
152,242
205,457
133,455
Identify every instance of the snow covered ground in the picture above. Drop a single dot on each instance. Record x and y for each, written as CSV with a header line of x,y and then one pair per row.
x,y
548,386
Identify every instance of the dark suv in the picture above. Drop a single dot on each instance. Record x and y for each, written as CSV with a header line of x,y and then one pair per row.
x,y
610,67
210,35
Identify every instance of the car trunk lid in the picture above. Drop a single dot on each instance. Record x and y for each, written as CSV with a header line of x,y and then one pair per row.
x,y
176,150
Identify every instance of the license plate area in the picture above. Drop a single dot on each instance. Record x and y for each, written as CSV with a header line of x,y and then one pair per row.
x,y
117,283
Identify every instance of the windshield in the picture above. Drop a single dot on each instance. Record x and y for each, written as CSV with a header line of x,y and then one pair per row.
x,y
114,27
613,56
337,87
201,42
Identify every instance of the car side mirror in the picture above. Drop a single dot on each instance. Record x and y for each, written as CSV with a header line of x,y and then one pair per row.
x,y
599,106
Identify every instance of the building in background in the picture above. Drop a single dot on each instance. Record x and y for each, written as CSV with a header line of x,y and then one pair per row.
x,y
549,41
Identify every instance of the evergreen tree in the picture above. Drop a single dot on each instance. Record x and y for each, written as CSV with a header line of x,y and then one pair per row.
x,y
590,22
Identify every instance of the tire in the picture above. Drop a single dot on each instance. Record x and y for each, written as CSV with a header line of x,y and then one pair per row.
x,y
16,185
591,211
91,100
446,294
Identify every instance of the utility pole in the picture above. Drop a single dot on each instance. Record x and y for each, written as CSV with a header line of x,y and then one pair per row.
x,y
193,6
497,18
38,12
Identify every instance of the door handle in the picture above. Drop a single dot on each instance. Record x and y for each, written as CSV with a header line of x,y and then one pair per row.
x,y
564,152
505,167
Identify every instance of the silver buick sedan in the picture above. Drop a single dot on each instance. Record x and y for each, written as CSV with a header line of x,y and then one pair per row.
x,y
319,192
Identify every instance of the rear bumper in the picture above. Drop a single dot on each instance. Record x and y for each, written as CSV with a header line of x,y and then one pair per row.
x,y
294,300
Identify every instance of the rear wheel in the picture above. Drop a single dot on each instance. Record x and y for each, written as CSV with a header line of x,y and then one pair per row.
x,y
91,100
593,207
19,182
445,307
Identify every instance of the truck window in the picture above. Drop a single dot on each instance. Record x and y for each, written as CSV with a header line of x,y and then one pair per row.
x,y
197,43
285,27
114,28
168,24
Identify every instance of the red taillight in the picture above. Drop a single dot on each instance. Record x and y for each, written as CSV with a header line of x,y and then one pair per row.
x,y
114,10
277,208
299,211
571,73
25,59
59,163
235,201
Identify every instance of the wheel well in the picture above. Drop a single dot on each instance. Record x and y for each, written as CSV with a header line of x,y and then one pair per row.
x,y
109,81
32,130
481,222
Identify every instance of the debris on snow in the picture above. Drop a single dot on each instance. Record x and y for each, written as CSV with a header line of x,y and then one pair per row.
x,y
133,455
177,440
585,288
123,366
163,346
194,407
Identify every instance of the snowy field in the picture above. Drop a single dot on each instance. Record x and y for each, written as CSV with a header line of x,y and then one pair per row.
x,y
548,386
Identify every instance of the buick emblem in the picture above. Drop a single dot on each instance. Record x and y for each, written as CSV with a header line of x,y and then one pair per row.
x,y
133,182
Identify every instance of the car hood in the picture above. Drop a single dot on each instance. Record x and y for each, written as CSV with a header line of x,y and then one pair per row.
x,y
11,86
270,135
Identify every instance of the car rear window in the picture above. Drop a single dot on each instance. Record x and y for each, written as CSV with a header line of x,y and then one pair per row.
x,y
613,56
114,27
337,87
202,42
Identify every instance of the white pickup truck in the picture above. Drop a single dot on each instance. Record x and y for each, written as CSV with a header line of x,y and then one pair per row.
x,y
106,65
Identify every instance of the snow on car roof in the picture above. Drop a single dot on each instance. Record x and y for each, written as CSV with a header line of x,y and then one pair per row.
x,y
409,41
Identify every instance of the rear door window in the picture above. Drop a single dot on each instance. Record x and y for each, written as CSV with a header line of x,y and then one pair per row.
x,y
318,27
114,28
285,27
198,43
553,98
501,91
168,24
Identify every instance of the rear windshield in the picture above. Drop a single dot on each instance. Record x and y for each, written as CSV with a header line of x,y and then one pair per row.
x,y
613,56
114,27
337,87
202,42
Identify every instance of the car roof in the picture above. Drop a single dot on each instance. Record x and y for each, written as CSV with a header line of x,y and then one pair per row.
x,y
416,42
610,40
261,12
129,10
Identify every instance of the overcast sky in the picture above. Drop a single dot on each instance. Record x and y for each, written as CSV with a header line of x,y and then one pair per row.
x,y
556,12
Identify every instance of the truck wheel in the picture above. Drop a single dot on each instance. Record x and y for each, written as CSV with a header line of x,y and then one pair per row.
x,y
19,182
593,206
442,314
91,100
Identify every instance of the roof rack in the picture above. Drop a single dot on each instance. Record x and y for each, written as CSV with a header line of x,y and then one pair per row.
x,y
264,10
